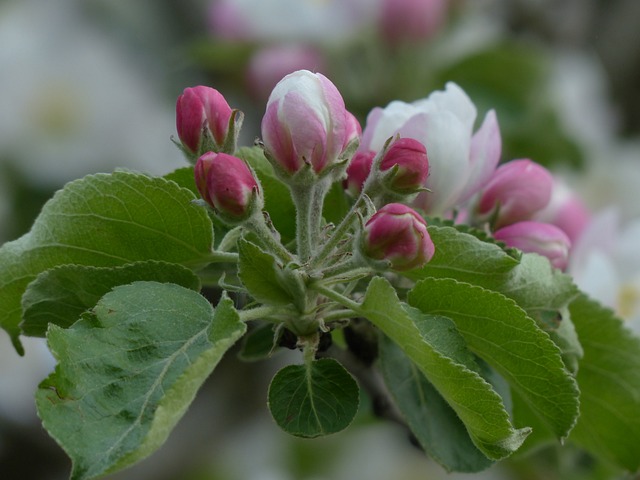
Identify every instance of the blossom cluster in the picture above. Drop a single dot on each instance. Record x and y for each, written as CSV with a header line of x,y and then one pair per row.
x,y
410,162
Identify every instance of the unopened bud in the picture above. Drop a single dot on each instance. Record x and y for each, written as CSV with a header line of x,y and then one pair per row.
x,y
228,185
202,119
516,191
412,169
358,171
305,123
397,234
537,237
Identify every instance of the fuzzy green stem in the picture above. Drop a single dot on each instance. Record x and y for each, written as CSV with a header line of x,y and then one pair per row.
x,y
258,226
223,257
337,234
258,313
345,271
303,201
337,297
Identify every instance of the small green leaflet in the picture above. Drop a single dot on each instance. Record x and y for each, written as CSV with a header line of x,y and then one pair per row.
x,y
314,400
264,278
128,371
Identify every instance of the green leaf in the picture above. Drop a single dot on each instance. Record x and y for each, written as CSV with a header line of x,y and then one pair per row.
x,y
434,423
277,197
538,288
318,399
60,295
609,379
440,355
263,277
465,257
542,291
336,204
128,371
501,333
104,220
184,177
259,343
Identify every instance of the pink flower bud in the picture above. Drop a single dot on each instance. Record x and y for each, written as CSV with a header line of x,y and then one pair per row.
x,y
411,21
198,110
358,171
518,189
537,237
305,122
397,233
413,165
226,183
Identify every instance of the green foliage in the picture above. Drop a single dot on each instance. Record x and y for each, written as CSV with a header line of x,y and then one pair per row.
x,y
128,371
501,333
433,422
102,221
542,291
261,275
609,379
60,295
315,399
439,352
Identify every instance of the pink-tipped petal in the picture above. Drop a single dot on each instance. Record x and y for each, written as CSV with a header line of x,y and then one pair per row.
x,y
537,237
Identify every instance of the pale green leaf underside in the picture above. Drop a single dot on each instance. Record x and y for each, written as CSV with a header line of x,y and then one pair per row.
x,y
609,379
310,401
501,333
433,422
128,371
473,399
104,220
61,294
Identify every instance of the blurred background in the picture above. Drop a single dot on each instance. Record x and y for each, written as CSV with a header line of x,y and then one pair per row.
x,y
88,86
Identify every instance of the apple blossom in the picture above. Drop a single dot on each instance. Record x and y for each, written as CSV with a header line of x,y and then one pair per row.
x,y
398,234
305,122
537,237
460,161
516,191
565,210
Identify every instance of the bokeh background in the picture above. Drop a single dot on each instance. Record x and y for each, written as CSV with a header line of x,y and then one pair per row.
x,y
90,85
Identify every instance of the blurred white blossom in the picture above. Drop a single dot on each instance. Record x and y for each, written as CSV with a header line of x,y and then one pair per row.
x,y
72,101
